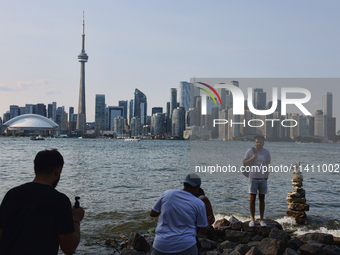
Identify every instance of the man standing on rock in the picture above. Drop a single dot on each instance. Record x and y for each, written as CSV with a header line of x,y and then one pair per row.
x,y
35,218
180,214
256,158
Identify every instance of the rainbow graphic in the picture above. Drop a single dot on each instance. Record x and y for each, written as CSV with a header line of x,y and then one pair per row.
x,y
211,95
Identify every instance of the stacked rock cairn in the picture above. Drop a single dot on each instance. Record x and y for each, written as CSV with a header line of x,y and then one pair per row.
x,y
296,200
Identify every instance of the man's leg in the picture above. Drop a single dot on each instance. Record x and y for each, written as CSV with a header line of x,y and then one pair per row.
x,y
262,205
252,206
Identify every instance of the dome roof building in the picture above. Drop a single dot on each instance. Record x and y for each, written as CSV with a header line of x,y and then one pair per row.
x,y
31,124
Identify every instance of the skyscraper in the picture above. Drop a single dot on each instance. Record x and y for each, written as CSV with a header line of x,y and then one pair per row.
x,y
186,95
70,112
100,111
124,104
82,58
173,100
259,99
130,110
327,104
140,106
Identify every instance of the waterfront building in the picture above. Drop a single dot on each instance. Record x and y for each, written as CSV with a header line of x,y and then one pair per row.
x,y
100,112
63,123
259,99
320,125
331,121
197,133
124,104
191,118
22,110
54,111
0,125
41,109
146,130
186,95
29,109
130,110
173,100
119,126
82,58
60,110
223,129
49,111
233,130
157,124
155,110
31,124
111,113
178,121
70,112
327,104
6,117
135,126
140,106
14,111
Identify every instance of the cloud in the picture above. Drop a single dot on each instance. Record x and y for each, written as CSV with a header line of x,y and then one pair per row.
x,y
5,88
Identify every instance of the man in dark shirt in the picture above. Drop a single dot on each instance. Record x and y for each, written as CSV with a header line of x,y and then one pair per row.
x,y
35,218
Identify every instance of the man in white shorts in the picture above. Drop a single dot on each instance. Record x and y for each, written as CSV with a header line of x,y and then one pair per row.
x,y
256,158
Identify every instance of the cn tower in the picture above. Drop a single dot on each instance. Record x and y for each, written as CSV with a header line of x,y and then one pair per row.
x,y
82,58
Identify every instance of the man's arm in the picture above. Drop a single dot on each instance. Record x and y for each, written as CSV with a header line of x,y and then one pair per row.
x,y
208,208
154,213
248,162
69,242
267,173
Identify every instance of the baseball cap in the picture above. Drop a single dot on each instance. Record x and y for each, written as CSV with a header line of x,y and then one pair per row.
x,y
193,180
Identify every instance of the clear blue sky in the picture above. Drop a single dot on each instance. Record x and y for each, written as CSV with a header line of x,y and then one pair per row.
x,y
153,45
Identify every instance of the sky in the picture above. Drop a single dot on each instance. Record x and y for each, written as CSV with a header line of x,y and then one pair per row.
x,y
153,45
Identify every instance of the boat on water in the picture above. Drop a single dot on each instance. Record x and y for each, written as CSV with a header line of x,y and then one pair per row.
x,y
131,140
37,138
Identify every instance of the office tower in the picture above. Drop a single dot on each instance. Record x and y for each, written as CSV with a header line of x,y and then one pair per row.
x,y
49,111
135,126
22,110
28,108
14,111
54,111
100,112
259,99
58,115
320,124
82,58
63,122
119,126
168,109
140,106
173,100
124,104
0,125
41,109
70,112
130,110
186,95
7,117
331,125
35,109
178,121
157,110
157,124
111,113
327,104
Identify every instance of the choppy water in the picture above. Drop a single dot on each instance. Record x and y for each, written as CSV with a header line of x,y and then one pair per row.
x,y
119,182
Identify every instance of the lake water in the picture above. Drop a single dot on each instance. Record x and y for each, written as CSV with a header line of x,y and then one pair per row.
x,y
119,182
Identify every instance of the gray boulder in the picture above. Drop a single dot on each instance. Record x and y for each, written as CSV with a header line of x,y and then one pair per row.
x,y
254,251
129,252
270,246
331,250
295,243
317,237
290,251
241,237
279,235
138,242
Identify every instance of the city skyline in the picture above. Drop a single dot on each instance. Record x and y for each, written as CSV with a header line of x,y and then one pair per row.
x,y
132,51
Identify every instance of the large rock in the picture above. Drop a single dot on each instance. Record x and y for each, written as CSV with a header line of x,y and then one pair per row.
x,y
138,242
207,244
213,253
297,184
290,251
336,241
299,190
233,220
236,225
298,207
254,251
270,246
295,194
310,248
331,250
227,245
317,237
242,248
301,200
129,252
262,231
279,235
295,243
296,214
241,237
221,222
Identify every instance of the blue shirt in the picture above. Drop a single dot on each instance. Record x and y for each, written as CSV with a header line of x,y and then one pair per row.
x,y
180,215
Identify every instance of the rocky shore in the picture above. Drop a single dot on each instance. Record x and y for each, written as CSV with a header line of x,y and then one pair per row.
x,y
233,237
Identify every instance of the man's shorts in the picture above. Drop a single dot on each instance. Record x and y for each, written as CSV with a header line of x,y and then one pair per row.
x,y
255,185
